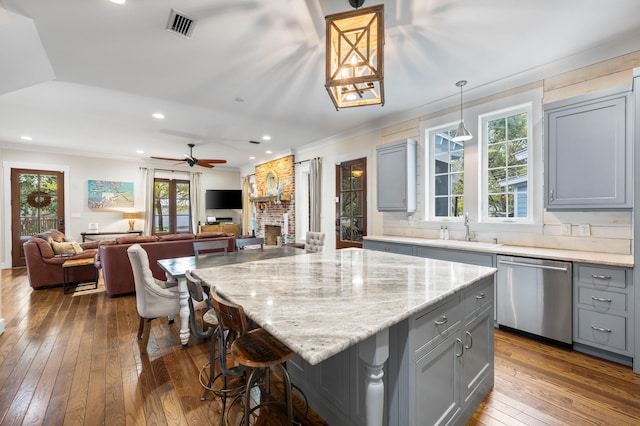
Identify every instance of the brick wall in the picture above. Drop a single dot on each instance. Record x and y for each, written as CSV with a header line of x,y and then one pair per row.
x,y
271,213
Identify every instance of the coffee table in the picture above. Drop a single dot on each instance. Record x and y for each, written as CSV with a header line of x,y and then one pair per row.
x,y
76,263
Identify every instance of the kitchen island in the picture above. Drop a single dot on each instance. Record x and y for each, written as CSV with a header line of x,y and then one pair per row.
x,y
347,314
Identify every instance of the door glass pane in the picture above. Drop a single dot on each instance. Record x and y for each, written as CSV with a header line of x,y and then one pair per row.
x,y
38,203
345,178
345,199
356,205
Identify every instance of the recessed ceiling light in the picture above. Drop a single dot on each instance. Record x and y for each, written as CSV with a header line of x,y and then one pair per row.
x,y
118,1
139,151
269,152
252,158
26,138
158,115
266,138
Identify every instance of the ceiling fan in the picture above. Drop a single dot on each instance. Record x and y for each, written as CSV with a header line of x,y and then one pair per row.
x,y
193,161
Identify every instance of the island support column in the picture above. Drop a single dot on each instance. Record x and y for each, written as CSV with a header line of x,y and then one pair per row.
x,y
374,352
184,311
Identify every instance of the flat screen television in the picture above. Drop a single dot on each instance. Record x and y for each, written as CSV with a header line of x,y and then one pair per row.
x,y
223,199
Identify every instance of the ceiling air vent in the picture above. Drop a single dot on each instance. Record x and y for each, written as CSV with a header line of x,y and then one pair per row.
x,y
180,23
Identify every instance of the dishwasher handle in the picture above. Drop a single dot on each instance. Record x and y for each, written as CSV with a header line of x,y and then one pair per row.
x,y
533,265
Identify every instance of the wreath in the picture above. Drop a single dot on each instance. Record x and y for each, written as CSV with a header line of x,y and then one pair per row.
x,y
39,199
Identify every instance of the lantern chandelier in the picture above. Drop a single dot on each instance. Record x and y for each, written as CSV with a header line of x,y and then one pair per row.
x,y
355,56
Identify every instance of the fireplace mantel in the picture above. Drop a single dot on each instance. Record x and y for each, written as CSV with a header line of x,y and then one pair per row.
x,y
271,198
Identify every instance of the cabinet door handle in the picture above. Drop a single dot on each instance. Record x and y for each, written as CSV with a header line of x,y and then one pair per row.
x,y
468,334
601,277
552,195
461,346
480,296
443,320
604,330
600,299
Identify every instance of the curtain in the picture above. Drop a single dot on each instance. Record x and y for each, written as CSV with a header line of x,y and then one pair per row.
x,y
246,206
315,178
149,175
196,200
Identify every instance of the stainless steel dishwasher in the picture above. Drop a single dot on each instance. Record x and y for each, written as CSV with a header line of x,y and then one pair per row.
x,y
534,296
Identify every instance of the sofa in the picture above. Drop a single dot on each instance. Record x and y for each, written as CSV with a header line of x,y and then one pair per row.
x,y
46,252
112,256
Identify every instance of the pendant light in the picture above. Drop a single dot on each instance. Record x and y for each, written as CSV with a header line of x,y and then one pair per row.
x,y
462,134
355,56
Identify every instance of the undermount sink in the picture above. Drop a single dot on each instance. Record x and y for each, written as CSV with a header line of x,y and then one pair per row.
x,y
464,244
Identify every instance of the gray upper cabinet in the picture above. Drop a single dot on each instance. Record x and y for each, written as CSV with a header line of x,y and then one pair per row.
x,y
396,178
588,151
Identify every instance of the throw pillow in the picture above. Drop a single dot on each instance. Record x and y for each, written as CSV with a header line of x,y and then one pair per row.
x,y
66,248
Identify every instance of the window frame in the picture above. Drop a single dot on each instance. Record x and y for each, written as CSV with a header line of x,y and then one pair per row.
x,y
173,215
430,194
483,120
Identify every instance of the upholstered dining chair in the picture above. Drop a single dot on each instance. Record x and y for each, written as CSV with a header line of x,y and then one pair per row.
x,y
314,241
210,247
154,298
242,243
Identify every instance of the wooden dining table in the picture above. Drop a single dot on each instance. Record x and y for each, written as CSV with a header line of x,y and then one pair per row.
x,y
176,268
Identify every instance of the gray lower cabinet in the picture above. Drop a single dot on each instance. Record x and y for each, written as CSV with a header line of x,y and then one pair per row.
x,y
603,301
397,248
588,151
462,256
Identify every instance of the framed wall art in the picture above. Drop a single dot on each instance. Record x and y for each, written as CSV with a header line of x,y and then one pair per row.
x,y
108,194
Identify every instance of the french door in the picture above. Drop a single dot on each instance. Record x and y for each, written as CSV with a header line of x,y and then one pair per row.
x,y
351,205
37,205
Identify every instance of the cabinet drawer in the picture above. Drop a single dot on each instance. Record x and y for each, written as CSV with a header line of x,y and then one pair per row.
x,y
602,301
602,277
602,329
478,298
389,247
452,255
433,327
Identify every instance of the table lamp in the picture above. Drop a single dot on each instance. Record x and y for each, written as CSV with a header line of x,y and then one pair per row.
x,y
132,216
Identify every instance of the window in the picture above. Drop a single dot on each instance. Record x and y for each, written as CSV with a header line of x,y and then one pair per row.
x,y
446,158
506,167
171,206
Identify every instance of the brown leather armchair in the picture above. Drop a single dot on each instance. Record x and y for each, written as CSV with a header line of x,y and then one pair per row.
x,y
44,267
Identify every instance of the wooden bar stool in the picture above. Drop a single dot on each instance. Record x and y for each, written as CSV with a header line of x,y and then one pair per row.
x,y
255,350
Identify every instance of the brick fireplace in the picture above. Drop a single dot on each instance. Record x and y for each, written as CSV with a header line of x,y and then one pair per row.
x,y
272,208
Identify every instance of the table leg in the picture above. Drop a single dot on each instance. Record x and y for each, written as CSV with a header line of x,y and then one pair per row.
x,y
374,352
184,310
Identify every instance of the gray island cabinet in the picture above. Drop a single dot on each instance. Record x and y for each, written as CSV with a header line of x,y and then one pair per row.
x,y
380,338
439,370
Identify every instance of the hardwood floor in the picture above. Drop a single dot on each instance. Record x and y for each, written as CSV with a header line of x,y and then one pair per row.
x,y
75,360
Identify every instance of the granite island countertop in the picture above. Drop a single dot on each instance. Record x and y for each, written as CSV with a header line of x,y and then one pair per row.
x,y
611,259
320,304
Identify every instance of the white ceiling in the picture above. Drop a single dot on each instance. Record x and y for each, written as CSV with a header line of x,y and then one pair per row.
x,y
91,80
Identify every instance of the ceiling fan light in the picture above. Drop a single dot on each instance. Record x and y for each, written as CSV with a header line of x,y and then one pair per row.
x,y
462,134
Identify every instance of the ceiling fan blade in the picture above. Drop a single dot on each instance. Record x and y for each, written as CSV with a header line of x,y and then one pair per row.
x,y
213,161
168,159
207,165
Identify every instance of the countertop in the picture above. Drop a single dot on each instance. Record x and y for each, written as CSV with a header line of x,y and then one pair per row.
x,y
623,260
320,304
